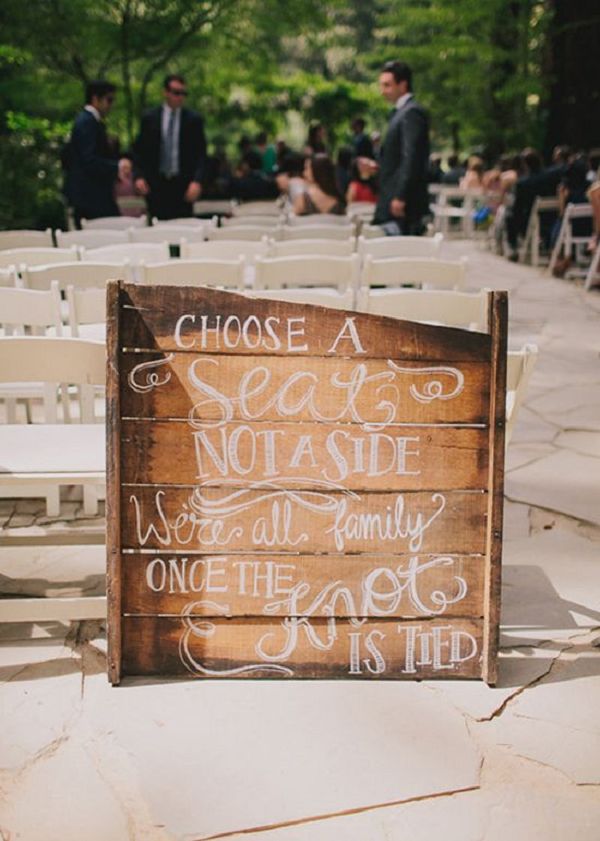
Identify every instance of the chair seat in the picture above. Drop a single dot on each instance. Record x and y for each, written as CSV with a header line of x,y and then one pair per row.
x,y
54,451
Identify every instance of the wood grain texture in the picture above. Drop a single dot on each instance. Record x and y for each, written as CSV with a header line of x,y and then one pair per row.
x,y
399,458
314,585
220,520
302,648
113,483
493,584
203,388
151,314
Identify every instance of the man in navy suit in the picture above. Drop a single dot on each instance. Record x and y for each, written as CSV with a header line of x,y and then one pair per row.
x,y
404,162
170,154
91,170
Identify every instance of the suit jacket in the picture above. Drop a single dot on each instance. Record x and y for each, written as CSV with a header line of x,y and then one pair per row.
x,y
192,146
404,163
92,172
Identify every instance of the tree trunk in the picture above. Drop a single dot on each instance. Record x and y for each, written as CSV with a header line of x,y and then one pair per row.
x,y
574,65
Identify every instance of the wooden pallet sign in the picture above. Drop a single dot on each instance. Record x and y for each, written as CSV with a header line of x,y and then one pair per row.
x,y
301,492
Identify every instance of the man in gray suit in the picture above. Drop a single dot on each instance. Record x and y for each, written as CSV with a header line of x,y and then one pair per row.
x,y
403,166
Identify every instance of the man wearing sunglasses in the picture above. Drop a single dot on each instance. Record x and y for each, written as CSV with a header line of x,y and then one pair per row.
x,y
91,169
170,154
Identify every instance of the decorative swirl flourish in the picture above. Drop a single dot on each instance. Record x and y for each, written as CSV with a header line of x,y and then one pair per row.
x,y
198,627
434,389
152,378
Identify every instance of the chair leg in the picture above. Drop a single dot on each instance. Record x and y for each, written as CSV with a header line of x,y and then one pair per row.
x,y
53,502
592,273
559,243
90,500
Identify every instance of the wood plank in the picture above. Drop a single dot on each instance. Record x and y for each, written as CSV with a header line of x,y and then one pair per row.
x,y
400,458
151,315
307,585
302,648
210,388
113,482
493,583
272,519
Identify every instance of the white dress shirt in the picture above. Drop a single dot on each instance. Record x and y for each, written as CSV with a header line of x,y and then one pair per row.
x,y
94,112
402,100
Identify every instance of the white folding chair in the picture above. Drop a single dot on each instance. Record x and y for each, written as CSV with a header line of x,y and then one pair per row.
x,y
9,277
212,207
27,312
252,233
81,275
168,233
320,296
113,223
340,273
566,241
372,231
184,221
466,310
36,256
223,249
419,272
382,247
266,222
266,207
530,249
91,238
319,219
223,273
592,277
457,205
316,231
134,252
87,312
26,239
37,459
311,247
519,366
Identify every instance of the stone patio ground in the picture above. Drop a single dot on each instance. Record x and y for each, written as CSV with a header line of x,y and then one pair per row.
x,y
326,761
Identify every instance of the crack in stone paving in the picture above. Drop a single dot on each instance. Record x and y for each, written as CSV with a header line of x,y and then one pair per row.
x,y
521,689
359,810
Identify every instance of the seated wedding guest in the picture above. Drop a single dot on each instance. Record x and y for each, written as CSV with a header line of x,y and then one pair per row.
x,y
251,183
594,200
436,173
573,189
454,172
289,178
473,177
362,146
502,176
316,141
125,189
531,183
267,152
363,186
322,194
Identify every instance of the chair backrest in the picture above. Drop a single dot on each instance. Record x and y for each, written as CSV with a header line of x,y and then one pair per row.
x,y
91,238
519,366
82,276
467,310
372,231
382,247
26,239
320,297
36,256
322,270
135,252
311,247
578,211
267,222
183,221
26,310
211,207
425,273
251,233
320,219
8,277
168,233
225,273
266,207
316,231
223,249
85,306
52,359
113,223
362,209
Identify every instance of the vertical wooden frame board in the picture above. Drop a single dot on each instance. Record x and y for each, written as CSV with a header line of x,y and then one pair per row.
x,y
301,492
